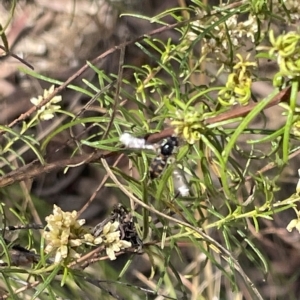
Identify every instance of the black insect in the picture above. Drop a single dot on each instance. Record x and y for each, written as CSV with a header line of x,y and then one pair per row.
x,y
166,150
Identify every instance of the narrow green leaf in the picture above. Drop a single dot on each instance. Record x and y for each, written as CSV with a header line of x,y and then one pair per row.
x,y
46,282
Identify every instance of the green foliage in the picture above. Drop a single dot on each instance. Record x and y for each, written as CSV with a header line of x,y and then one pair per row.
x,y
218,153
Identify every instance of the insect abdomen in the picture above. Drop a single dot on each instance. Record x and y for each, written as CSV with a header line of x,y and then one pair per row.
x,y
157,166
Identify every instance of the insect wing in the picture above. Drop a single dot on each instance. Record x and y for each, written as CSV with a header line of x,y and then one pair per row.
x,y
180,182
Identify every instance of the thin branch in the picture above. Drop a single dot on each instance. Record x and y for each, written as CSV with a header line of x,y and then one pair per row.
x,y
9,53
235,112
59,89
213,244
87,204
35,169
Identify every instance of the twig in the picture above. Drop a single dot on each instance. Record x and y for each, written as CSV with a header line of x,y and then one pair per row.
x,y
9,53
87,204
59,89
35,169
238,111
213,244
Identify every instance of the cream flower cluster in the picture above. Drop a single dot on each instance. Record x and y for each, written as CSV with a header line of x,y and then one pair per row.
x,y
110,238
65,235
47,111
292,6
218,41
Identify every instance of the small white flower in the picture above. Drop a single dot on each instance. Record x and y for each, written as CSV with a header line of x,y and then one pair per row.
x,y
98,240
47,111
112,236
89,238
58,256
110,227
231,22
80,222
110,253
75,243
116,247
125,244
292,225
